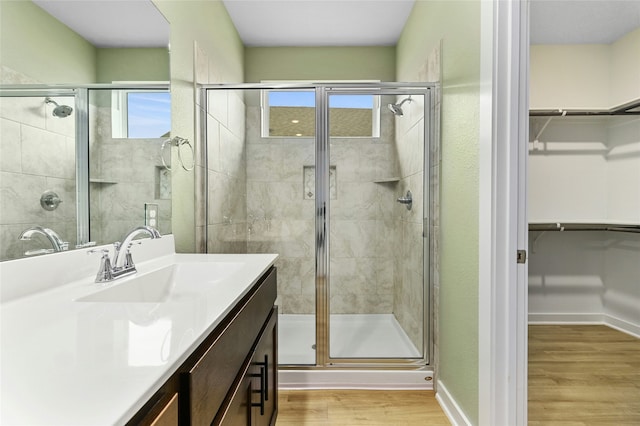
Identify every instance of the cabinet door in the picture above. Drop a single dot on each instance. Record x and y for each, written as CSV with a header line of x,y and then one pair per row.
x,y
265,382
238,412
208,383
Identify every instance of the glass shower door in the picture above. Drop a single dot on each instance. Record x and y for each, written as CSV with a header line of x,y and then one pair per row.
x,y
377,292
261,189
321,175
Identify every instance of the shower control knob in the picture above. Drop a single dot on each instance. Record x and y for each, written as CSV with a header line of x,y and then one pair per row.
x,y
49,200
406,200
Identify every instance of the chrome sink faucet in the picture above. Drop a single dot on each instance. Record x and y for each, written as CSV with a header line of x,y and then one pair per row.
x,y
122,265
121,260
54,239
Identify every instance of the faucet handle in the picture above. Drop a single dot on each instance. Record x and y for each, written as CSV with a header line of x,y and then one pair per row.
x,y
105,272
105,252
128,259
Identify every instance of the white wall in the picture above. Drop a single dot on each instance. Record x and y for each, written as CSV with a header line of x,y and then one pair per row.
x,y
621,300
623,170
625,65
568,170
566,276
585,169
586,76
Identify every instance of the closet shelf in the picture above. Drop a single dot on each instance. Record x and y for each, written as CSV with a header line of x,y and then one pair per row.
x,y
631,108
569,226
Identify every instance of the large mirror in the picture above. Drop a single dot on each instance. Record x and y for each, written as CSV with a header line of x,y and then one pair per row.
x,y
84,113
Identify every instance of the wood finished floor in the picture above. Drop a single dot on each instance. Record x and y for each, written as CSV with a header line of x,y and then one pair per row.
x,y
359,407
583,375
579,375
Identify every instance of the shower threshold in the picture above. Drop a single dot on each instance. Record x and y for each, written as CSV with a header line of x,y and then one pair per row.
x,y
364,336
360,336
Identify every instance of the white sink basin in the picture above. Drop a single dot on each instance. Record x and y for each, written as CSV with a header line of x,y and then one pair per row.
x,y
161,285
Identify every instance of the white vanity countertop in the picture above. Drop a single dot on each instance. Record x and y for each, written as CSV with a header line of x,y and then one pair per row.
x,y
65,362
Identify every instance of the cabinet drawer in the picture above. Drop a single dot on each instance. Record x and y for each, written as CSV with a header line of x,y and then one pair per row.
x,y
213,374
169,414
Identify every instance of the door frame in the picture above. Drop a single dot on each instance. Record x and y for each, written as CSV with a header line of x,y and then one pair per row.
x,y
503,284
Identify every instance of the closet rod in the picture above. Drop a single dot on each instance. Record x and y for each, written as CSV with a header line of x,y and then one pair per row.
x,y
631,108
558,226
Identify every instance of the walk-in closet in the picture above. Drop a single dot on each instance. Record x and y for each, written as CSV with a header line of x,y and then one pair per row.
x,y
584,231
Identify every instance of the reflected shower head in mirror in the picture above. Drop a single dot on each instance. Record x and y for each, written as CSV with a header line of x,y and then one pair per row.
x,y
396,109
59,111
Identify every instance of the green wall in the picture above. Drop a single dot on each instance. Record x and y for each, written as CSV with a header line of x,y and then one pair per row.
x,y
320,63
40,47
457,25
208,24
132,64
37,45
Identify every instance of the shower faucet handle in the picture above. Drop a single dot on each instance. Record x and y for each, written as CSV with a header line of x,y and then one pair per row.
x,y
406,200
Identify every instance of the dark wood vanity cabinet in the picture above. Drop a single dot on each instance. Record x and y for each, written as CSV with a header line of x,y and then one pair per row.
x,y
232,377
253,399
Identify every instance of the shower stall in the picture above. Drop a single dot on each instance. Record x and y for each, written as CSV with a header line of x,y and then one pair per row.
x,y
75,165
340,181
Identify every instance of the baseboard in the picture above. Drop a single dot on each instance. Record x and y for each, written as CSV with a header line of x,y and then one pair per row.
x,y
566,318
608,320
355,379
450,407
622,325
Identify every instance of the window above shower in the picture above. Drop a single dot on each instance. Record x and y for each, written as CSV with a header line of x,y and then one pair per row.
x,y
291,113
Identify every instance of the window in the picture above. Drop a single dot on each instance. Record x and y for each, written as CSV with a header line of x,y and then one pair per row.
x,y
292,113
140,114
353,116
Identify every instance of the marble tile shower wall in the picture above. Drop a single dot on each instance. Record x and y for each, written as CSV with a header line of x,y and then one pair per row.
x,y
281,220
409,300
226,173
37,153
409,290
220,173
124,175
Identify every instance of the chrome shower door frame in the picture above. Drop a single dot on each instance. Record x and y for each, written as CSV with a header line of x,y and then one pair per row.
x,y
323,226
322,200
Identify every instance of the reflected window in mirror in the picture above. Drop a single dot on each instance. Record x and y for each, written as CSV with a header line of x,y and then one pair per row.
x,y
140,114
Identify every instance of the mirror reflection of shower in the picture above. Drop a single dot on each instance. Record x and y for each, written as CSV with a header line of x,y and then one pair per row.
x,y
396,109
60,111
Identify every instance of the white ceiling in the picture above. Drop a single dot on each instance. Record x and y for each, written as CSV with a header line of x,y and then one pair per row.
x,y
582,21
319,22
138,23
114,23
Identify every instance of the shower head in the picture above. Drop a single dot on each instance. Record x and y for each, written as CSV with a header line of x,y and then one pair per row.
x,y
59,111
396,109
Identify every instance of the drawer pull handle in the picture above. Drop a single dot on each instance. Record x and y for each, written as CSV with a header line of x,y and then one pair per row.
x,y
262,376
266,377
